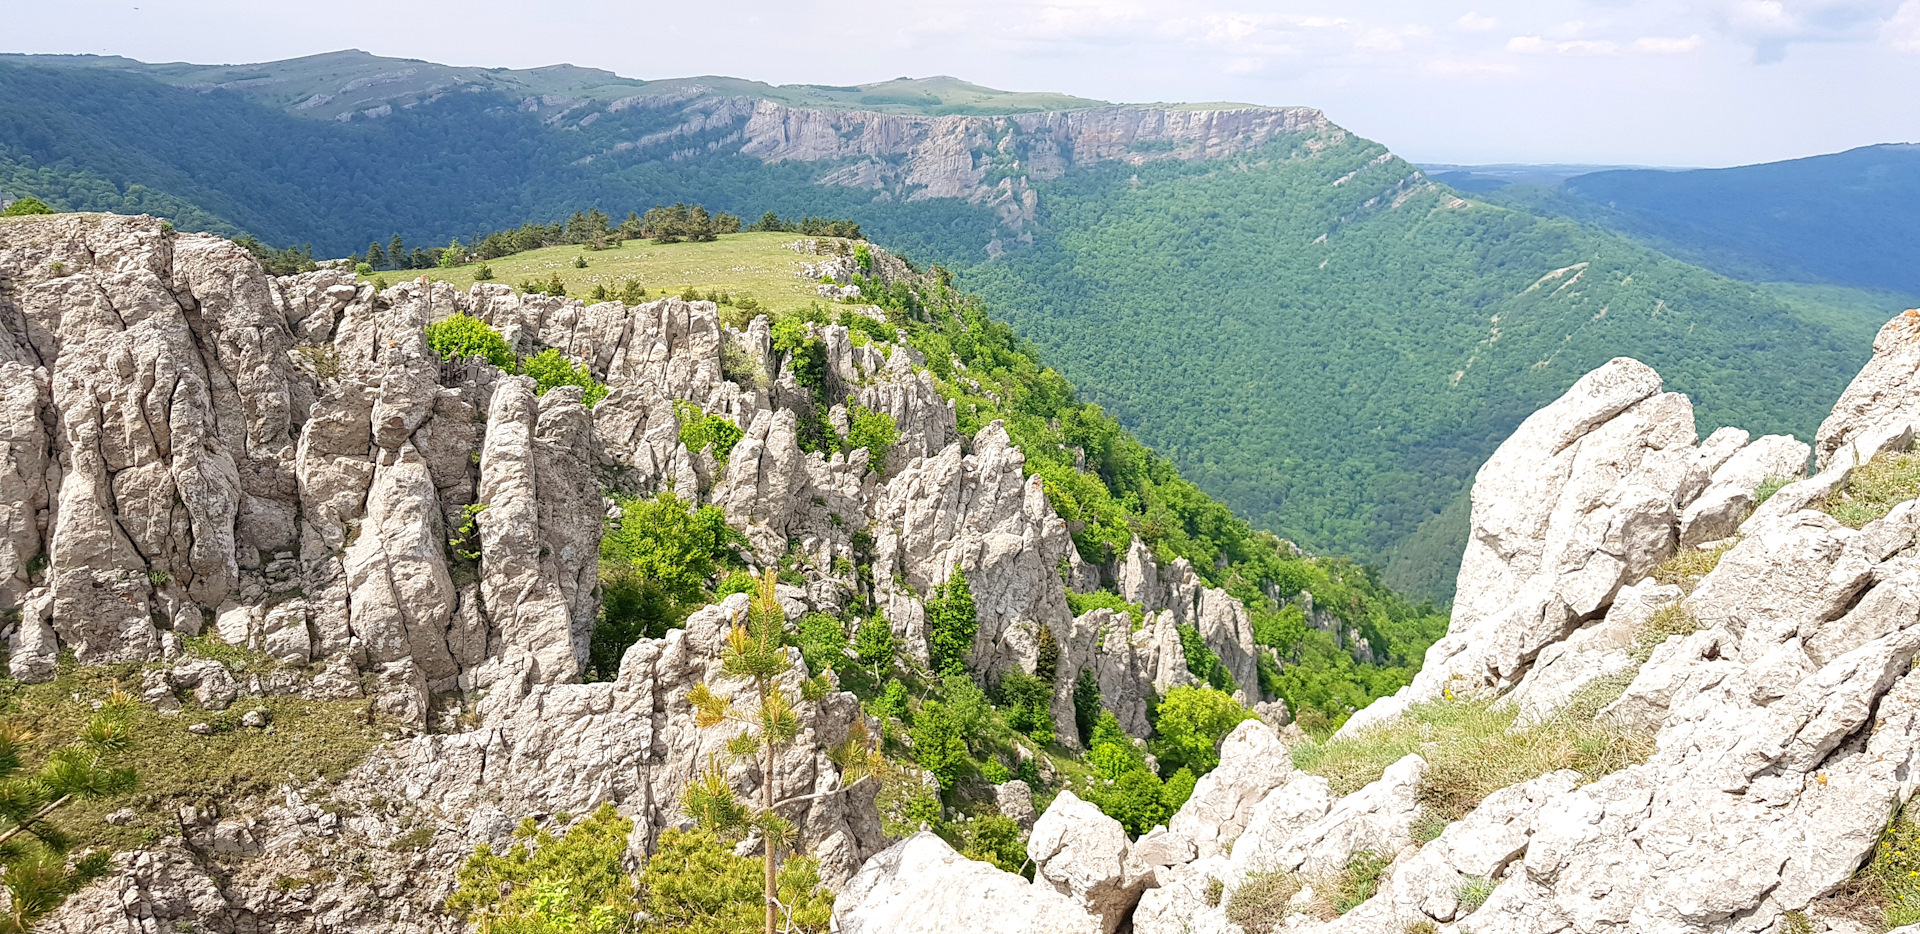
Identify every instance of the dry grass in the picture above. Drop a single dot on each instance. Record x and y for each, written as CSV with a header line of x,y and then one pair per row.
x,y
1689,565
1675,620
1262,900
309,740
1875,488
1473,749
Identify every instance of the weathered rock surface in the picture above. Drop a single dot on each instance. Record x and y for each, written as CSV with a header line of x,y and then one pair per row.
x,y
921,885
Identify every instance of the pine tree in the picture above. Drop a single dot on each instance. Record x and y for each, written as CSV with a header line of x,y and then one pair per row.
x,y
756,652
37,875
376,257
397,253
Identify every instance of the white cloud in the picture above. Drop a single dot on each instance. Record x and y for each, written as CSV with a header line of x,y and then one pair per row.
x,y
1903,30
1770,26
1535,45
1665,45
1475,22
1587,47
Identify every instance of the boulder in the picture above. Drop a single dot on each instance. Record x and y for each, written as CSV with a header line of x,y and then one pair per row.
x,y
1083,854
921,886
1253,762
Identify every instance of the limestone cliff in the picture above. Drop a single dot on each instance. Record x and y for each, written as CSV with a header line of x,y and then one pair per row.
x,y
195,447
1768,703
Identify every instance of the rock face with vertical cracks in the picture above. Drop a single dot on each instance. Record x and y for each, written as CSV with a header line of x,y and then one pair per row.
x,y
190,447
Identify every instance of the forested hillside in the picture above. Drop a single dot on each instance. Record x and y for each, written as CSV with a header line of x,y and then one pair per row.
x,y
1849,218
1309,328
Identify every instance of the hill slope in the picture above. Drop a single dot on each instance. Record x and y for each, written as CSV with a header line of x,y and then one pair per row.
x,y
1846,218
1312,329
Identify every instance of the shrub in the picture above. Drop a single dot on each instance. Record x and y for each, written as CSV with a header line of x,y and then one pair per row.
x,y
741,368
952,622
545,884
362,269
1083,603
739,581
1203,662
699,431
694,883
1086,704
994,838
483,274
1191,724
822,640
874,431
874,645
458,337
549,369
809,356
1028,702
937,743
453,255
1260,902
968,706
26,206
656,559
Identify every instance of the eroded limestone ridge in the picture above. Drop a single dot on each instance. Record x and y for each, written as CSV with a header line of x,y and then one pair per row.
x,y
192,446
1767,701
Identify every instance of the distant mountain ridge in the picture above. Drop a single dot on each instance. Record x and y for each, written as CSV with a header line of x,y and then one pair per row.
x,y
1848,218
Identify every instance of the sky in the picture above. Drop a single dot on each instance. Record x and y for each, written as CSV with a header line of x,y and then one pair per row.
x,y
1684,83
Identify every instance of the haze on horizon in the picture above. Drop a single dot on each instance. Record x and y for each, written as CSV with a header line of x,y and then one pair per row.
x,y
1699,83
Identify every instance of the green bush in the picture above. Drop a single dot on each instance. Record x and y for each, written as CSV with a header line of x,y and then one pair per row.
x,y
1027,702
549,369
937,743
1086,704
458,337
694,884
1084,603
994,838
874,431
874,645
1203,662
547,884
952,622
656,561
822,640
26,206
1192,722
699,431
809,363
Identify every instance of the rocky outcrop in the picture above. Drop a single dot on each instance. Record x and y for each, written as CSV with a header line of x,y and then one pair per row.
x,y
189,447
921,885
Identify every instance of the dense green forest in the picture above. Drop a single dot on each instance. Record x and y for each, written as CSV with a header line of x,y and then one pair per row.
x,y
1333,349
1311,332
1845,218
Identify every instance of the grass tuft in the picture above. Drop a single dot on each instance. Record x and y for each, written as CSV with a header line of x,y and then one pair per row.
x,y
1689,565
1675,620
1891,879
1875,488
1262,900
1473,748
1358,880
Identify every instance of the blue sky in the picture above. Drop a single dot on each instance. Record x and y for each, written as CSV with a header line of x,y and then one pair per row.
x,y
1713,82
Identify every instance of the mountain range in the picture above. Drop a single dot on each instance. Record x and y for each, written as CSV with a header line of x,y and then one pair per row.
x,y
1313,329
